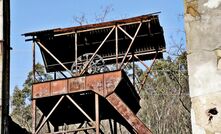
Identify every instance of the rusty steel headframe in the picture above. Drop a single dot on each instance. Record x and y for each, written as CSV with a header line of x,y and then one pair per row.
x,y
90,90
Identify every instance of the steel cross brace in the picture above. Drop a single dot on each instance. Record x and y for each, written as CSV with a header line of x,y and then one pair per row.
x,y
54,57
92,57
56,105
130,45
147,68
95,124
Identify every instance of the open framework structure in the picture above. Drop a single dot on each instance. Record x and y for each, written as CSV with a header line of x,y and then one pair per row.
x,y
94,86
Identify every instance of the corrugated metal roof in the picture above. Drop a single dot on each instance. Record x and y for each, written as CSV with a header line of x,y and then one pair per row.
x,y
94,26
61,41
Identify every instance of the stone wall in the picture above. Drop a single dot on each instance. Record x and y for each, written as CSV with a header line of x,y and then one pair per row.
x,y
203,39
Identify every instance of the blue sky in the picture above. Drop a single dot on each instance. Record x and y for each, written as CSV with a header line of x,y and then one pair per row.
x,y
30,15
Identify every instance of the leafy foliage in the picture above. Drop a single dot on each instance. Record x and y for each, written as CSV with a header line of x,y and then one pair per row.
x,y
165,97
21,105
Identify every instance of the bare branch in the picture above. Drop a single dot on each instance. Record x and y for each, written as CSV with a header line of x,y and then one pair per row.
x,y
81,20
177,48
180,93
105,11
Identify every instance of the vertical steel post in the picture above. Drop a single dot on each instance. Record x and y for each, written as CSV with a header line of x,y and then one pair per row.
x,y
116,39
55,75
133,68
115,127
33,62
5,64
1,76
76,50
111,126
33,116
49,127
97,113
33,101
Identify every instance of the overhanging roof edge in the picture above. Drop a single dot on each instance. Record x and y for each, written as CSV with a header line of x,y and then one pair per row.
x,y
91,26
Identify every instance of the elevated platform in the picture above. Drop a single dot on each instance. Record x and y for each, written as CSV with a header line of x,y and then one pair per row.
x,y
118,100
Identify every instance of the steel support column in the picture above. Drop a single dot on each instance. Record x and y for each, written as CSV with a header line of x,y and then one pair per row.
x,y
116,45
133,68
111,126
76,49
33,62
97,113
115,127
33,116
4,65
49,128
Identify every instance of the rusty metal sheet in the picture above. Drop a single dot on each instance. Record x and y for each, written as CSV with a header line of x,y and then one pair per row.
x,y
153,16
58,87
95,83
149,41
41,90
76,84
128,115
111,80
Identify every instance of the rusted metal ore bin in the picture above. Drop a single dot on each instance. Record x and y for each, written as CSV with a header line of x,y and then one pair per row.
x,y
117,96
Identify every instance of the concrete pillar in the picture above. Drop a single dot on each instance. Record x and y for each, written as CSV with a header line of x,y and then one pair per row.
x,y
203,39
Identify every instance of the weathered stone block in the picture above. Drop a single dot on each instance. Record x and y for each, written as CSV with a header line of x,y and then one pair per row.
x,y
218,54
196,59
207,109
206,79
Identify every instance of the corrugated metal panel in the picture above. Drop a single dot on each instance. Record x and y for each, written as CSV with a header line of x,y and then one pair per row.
x,y
111,80
96,83
76,84
93,26
41,90
59,87
61,42
102,84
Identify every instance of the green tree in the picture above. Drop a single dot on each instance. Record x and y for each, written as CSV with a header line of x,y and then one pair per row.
x,y
21,98
165,97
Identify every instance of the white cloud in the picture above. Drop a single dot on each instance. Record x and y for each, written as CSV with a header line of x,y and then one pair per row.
x,y
212,3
